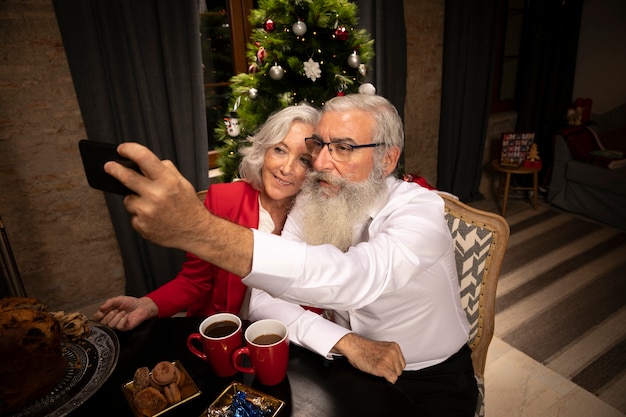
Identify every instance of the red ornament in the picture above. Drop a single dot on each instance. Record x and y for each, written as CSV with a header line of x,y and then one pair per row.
x,y
340,94
260,55
341,33
269,25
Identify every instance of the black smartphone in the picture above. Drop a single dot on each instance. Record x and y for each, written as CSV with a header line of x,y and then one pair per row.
x,y
94,155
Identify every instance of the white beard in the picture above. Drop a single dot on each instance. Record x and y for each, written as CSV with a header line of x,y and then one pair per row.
x,y
331,219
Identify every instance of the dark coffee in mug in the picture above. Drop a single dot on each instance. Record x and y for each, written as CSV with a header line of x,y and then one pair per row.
x,y
267,339
220,329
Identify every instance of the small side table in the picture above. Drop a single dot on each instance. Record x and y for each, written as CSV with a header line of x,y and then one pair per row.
x,y
507,171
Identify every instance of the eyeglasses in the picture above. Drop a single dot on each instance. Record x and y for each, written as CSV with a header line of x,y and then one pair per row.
x,y
339,151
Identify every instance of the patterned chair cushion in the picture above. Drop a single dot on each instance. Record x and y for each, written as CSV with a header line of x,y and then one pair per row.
x,y
471,246
480,404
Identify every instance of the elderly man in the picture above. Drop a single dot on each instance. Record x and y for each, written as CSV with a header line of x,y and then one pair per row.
x,y
373,249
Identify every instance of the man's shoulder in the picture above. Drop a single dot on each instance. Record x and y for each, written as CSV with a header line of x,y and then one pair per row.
x,y
409,191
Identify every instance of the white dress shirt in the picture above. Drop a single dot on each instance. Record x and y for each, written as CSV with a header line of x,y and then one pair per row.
x,y
398,284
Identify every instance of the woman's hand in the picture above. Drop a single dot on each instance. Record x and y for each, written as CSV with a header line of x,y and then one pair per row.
x,y
126,313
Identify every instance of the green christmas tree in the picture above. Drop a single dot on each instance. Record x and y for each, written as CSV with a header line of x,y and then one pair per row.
x,y
299,50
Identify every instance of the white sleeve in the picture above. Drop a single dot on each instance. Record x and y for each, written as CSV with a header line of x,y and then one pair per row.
x,y
306,328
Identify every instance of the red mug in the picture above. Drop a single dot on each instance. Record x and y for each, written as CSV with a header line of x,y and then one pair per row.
x,y
267,346
219,336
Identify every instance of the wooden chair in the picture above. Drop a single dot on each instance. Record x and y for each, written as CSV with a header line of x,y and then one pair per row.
x,y
201,195
480,240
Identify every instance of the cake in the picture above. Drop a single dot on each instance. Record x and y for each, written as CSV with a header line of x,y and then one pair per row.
x,y
30,351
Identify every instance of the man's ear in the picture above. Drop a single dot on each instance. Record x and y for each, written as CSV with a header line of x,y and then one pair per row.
x,y
390,159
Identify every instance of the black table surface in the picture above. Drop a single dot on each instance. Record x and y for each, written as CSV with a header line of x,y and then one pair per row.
x,y
314,386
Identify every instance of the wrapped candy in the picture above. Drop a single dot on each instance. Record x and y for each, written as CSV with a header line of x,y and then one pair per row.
x,y
242,406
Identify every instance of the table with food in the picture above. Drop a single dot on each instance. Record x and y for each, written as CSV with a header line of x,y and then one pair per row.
x,y
62,364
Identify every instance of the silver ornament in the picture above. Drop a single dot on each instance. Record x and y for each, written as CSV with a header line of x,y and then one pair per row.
x,y
367,88
277,72
299,28
354,60
363,70
253,93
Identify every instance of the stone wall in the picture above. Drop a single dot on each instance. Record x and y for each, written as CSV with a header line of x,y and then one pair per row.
x,y
58,227
424,35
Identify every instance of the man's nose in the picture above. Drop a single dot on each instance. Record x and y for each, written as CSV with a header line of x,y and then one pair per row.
x,y
323,161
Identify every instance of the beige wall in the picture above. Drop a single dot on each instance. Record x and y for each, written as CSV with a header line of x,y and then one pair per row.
x,y
424,35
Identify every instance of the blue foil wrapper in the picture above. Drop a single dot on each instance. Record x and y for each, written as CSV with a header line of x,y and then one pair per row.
x,y
242,406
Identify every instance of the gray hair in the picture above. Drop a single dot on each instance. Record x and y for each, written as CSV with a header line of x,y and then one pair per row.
x,y
271,133
388,128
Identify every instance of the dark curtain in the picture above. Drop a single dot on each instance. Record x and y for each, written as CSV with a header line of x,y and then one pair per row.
x,y
547,68
468,62
137,72
384,20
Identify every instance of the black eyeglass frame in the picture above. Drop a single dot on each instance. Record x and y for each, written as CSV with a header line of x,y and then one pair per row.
x,y
349,145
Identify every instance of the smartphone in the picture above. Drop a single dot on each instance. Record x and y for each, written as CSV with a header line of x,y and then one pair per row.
x,y
94,155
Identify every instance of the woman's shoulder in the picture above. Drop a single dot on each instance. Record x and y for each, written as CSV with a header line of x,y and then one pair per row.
x,y
230,188
236,201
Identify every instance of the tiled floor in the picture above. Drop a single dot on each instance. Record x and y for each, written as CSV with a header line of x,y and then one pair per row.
x,y
517,385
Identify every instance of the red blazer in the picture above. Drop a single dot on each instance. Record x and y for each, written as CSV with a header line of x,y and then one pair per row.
x,y
200,287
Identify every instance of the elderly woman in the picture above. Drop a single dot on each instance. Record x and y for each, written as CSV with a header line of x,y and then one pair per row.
x,y
273,170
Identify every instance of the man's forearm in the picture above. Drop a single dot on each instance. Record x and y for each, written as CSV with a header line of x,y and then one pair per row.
x,y
224,244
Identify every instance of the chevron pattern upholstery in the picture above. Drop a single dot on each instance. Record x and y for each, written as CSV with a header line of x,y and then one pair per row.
x,y
480,240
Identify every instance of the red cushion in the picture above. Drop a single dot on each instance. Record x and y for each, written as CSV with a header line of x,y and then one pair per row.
x,y
580,142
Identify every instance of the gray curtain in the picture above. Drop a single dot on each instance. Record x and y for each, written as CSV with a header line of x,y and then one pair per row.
x,y
384,20
137,72
548,59
468,62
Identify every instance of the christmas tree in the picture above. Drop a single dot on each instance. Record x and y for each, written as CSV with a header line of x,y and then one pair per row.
x,y
299,50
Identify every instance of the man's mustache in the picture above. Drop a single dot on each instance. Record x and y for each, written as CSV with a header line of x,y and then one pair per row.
x,y
314,177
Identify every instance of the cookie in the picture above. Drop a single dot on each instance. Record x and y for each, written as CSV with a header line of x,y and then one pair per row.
x,y
172,393
149,401
141,379
164,373
180,378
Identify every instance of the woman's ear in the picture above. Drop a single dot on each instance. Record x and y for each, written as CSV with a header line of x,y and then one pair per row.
x,y
390,159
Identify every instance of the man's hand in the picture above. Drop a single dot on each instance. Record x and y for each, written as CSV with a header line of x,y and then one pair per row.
x,y
126,313
167,211
165,208
383,359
